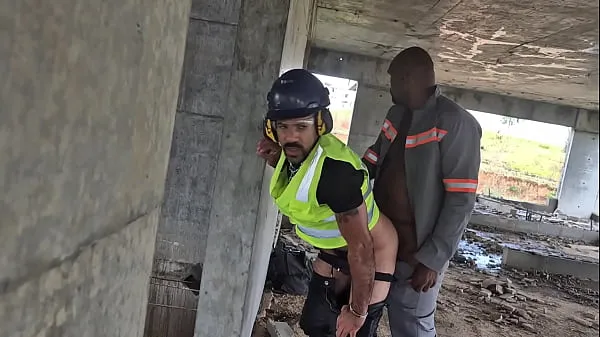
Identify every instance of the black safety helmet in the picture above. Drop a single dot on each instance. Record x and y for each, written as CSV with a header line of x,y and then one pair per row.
x,y
295,94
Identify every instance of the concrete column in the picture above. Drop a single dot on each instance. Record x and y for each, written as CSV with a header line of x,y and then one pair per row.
x,y
579,185
88,92
293,55
371,105
297,33
217,207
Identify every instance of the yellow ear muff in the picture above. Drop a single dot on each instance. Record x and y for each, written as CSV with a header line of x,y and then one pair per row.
x,y
269,130
321,129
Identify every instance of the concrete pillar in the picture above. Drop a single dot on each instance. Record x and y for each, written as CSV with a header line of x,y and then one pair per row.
x,y
293,55
371,105
217,207
88,92
579,185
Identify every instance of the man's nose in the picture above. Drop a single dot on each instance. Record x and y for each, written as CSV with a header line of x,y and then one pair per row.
x,y
291,135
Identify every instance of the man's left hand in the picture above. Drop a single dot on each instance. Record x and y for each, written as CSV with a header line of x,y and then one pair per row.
x,y
348,324
423,278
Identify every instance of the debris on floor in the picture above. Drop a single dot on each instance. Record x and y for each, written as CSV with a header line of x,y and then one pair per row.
x,y
481,298
279,329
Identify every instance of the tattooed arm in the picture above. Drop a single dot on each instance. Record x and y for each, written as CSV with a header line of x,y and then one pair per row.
x,y
340,189
361,256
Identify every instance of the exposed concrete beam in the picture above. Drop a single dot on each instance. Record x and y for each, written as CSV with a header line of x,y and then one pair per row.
x,y
298,30
373,71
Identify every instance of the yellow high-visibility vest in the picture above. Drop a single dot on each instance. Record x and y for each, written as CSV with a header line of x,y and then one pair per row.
x,y
297,197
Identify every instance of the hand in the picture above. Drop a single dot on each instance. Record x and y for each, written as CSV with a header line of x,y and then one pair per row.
x,y
269,151
423,278
348,324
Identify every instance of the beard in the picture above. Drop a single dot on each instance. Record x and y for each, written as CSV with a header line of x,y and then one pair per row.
x,y
294,153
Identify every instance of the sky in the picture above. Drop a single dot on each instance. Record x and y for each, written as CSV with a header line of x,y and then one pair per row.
x,y
545,133
337,82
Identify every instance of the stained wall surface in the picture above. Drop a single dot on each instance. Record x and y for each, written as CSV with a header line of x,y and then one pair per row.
x,y
88,94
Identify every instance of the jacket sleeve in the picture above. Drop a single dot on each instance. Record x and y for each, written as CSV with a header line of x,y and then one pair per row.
x,y
460,159
371,156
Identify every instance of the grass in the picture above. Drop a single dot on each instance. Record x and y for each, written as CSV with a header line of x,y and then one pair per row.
x,y
521,158
504,156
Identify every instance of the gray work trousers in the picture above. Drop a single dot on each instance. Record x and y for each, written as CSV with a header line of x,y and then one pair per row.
x,y
411,313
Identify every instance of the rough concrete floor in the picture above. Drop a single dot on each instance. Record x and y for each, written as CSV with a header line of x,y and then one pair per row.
x,y
531,304
537,310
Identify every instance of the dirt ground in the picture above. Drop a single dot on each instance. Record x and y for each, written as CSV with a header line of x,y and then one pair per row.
x,y
538,307
481,299
500,185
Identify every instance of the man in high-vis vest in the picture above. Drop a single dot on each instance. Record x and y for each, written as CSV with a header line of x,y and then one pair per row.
x,y
425,164
324,189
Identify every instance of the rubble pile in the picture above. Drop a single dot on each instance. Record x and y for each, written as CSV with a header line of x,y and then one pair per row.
x,y
580,291
513,306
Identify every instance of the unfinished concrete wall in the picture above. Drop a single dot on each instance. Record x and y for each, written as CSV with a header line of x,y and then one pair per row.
x,y
578,192
217,208
370,108
201,109
241,219
373,71
295,47
88,95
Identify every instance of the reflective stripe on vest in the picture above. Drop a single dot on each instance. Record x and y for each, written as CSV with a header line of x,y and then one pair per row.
x,y
296,195
302,195
330,233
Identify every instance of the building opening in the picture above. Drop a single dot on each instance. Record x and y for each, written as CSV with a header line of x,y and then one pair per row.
x,y
342,93
521,160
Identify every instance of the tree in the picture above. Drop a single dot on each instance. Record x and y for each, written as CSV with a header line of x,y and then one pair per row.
x,y
509,121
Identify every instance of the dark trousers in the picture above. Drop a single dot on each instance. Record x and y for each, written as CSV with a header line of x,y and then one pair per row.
x,y
323,305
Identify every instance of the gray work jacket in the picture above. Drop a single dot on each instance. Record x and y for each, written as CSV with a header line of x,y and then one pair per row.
x,y
442,166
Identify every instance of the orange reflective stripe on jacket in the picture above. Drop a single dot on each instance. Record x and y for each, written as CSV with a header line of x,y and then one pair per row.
x,y
371,156
431,135
389,131
461,185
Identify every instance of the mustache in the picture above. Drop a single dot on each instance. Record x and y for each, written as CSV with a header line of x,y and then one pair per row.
x,y
292,145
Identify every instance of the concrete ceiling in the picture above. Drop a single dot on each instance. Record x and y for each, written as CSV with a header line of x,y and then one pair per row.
x,y
545,50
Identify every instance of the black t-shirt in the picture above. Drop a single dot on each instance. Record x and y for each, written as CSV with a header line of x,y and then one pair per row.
x,y
340,186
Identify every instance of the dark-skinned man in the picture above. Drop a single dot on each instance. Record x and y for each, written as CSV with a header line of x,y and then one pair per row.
x,y
324,189
425,165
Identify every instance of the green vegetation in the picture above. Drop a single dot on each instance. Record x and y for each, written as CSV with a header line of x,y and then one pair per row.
x,y
521,158
511,167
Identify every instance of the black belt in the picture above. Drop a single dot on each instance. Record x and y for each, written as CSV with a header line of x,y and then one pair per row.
x,y
340,262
